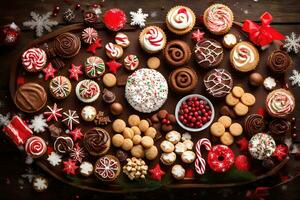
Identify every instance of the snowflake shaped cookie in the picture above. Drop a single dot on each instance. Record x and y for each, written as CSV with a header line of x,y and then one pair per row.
x,y
269,83
295,78
54,159
40,23
38,123
4,119
138,18
40,184
292,43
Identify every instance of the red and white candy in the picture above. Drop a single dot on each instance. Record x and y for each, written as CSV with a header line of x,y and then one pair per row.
x,y
200,161
34,59
35,146
122,40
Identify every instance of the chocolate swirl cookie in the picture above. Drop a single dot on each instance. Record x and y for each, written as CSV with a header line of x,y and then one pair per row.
x,y
183,80
63,144
279,61
254,123
280,127
96,141
67,45
30,97
177,53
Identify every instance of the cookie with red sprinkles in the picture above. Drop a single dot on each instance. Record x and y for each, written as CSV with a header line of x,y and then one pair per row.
x,y
114,19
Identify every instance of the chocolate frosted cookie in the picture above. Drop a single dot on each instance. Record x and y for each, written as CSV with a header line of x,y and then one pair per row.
x,y
30,97
67,45
254,123
177,53
183,80
279,61
209,53
280,127
218,82
96,141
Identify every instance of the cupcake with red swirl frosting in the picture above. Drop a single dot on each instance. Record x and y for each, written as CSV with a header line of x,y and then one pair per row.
x,y
280,103
218,19
35,147
180,20
152,39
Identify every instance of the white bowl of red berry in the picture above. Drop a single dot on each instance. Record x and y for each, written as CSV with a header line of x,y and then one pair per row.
x,y
194,112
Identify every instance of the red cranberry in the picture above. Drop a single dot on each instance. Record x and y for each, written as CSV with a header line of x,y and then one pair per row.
x,y
181,118
209,113
191,114
204,119
197,103
191,125
194,119
201,102
193,109
207,107
77,6
206,114
195,98
186,110
185,115
203,110
184,121
196,114
198,118
201,106
190,118
168,122
164,121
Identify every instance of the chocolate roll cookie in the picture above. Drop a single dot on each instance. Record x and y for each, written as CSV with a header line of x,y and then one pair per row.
x,y
279,61
254,123
183,80
67,45
177,53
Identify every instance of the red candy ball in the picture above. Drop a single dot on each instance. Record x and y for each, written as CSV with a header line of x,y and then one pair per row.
x,y
242,163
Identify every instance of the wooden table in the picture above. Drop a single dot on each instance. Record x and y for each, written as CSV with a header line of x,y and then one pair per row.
x,y
286,16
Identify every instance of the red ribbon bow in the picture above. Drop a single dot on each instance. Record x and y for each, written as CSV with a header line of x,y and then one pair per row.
x,y
263,34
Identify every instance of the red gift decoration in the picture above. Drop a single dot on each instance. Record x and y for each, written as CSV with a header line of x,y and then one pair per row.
x,y
263,34
17,130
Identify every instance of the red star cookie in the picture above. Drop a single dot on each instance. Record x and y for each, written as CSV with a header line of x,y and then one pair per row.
x,y
70,167
243,144
76,134
93,47
49,71
280,152
113,66
156,172
53,113
198,36
75,72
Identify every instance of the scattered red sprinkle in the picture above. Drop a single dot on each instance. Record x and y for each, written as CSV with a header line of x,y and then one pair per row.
x,y
261,111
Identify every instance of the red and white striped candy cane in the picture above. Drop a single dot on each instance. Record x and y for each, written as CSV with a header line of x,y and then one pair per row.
x,y
200,162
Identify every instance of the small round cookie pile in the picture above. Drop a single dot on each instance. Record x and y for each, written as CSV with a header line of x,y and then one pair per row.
x,y
131,139
218,129
240,100
174,144
135,168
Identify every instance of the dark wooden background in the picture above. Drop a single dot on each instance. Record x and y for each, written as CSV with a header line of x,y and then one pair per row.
x,y
286,19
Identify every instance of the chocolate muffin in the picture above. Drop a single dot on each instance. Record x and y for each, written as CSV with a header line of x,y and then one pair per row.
x,y
177,53
279,61
67,45
208,53
96,141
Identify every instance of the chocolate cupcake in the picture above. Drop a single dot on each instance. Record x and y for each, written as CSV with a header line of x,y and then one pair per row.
x,y
218,82
183,80
177,53
96,141
279,61
209,53
67,45
30,97
107,168
280,127
254,123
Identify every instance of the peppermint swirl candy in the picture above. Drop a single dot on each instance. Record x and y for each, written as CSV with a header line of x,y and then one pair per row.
x,y
279,61
60,87
243,55
218,18
154,39
34,59
106,168
94,67
88,89
113,50
122,40
280,127
89,35
67,45
131,62
180,18
63,144
254,123
280,103
95,140
35,146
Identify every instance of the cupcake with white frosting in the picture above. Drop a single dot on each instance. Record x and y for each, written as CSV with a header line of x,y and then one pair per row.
x,y
152,39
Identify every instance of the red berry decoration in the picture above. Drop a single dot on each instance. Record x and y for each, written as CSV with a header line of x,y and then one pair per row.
x,y
94,46
242,163
243,144
197,36
49,71
10,34
75,72
280,152
114,19
156,173
113,66
70,167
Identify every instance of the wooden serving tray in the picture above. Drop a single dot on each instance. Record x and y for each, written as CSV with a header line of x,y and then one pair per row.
x,y
123,184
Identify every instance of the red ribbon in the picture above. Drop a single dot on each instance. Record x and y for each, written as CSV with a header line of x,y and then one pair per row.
x,y
263,34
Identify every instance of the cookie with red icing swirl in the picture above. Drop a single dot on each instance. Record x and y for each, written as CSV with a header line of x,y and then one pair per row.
x,y
152,39
280,103
279,61
183,80
96,141
34,59
177,53
107,168
67,45
218,19
35,147
254,123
